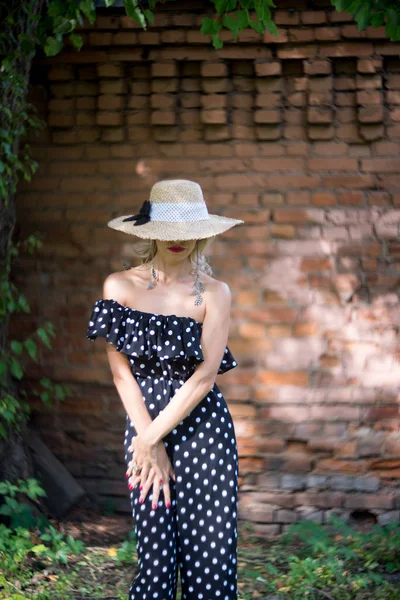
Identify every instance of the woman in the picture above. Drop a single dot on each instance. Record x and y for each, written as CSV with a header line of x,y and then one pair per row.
x,y
164,355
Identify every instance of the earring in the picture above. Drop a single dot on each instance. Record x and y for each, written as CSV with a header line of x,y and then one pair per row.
x,y
154,278
125,264
198,285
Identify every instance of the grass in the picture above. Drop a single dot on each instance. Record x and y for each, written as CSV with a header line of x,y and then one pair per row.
x,y
333,561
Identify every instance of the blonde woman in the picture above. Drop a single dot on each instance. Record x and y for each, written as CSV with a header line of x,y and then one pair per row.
x,y
167,323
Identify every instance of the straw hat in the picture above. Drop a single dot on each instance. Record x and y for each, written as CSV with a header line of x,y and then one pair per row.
x,y
175,211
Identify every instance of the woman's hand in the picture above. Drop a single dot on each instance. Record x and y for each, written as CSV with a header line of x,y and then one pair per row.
x,y
153,468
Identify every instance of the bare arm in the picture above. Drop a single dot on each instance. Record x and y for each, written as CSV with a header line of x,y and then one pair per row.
x,y
126,384
213,342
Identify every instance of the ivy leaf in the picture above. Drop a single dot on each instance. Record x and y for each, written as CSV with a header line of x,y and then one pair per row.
x,y
271,27
16,347
76,40
377,20
53,46
257,26
31,348
224,6
63,25
44,337
16,369
242,17
232,24
217,42
210,26
88,9
133,11
247,4
149,15
362,16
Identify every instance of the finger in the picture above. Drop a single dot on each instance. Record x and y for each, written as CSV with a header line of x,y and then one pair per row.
x,y
129,469
156,492
144,474
132,445
167,493
133,481
146,486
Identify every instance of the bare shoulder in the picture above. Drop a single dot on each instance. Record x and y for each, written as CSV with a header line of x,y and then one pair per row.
x,y
115,286
219,295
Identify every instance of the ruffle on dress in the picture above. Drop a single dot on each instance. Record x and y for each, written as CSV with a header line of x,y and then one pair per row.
x,y
150,335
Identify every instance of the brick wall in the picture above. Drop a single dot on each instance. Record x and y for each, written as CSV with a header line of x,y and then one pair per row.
x,y
300,137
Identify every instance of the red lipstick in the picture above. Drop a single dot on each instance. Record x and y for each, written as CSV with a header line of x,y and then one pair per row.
x,y
176,248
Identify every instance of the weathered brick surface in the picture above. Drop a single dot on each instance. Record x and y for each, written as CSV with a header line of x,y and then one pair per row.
x,y
297,135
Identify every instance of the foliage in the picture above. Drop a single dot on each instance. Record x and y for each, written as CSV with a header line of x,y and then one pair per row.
x,y
337,562
310,561
375,13
14,411
28,538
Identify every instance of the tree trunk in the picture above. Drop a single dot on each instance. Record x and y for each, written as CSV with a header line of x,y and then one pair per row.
x,y
15,461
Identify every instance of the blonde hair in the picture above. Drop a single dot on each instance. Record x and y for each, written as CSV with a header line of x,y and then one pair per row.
x,y
147,249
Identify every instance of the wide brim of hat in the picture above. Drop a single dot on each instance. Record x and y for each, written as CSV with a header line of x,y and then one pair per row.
x,y
169,231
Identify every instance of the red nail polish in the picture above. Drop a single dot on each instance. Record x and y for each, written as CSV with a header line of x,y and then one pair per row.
x,y
141,487
168,505
140,500
154,506
160,480
126,475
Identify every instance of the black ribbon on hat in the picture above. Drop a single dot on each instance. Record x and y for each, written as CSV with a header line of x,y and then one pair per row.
x,y
143,215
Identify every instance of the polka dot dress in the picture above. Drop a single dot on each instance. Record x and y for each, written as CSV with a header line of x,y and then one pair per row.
x,y
198,533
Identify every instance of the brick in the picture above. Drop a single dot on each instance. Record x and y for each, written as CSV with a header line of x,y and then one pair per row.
x,y
109,118
345,49
164,69
320,115
285,515
378,413
217,117
327,34
370,82
267,116
173,36
368,501
110,102
117,86
371,114
268,132
86,103
116,134
215,86
282,231
97,38
268,68
61,120
313,17
317,67
368,97
213,69
293,482
332,164
164,86
301,36
369,65
122,38
392,516
61,73
285,413
112,70
213,101
306,51
271,38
